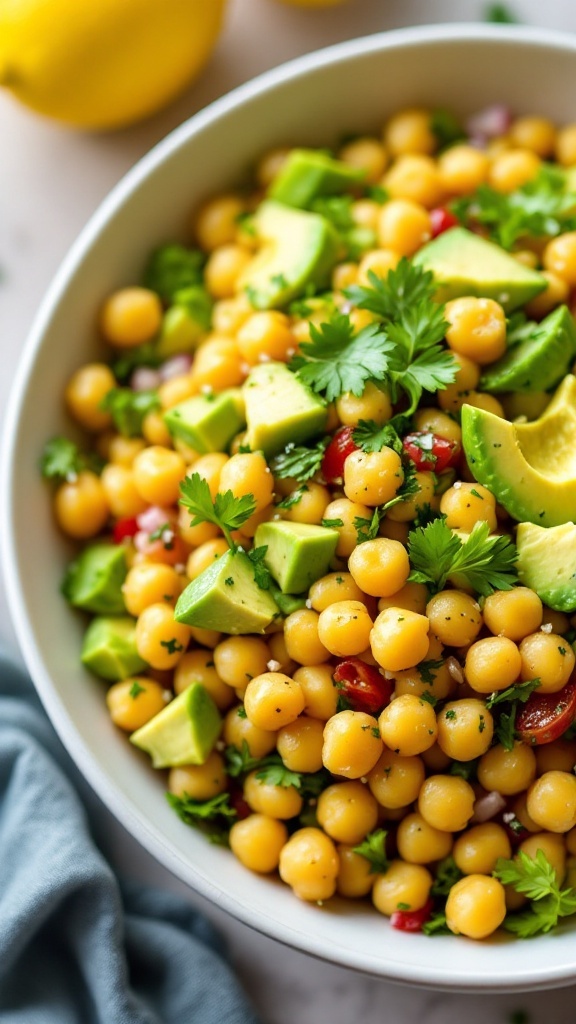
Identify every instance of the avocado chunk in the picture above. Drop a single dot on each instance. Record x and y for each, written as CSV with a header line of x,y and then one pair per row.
x,y
466,264
109,648
93,581
207,422
538,362
287,603
309,173
529,467
185,322
280,410
297,249
547,563
298,554
184,732
226,597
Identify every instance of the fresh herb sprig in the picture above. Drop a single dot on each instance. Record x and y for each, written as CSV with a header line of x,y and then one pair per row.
x,y
337,359
129,408
63,460
226,511
271,769
212,817
505,728
535,878
373,849
299,462
483,562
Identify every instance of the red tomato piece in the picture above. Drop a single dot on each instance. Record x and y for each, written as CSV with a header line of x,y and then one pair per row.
x,y
362,685
411,920
429,451
544,717
442,220
237,801
341,446
124,528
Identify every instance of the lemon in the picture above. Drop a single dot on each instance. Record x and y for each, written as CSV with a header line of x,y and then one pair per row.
x,y
104,63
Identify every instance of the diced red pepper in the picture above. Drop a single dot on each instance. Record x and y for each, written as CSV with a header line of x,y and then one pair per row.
x,y
442,220
124,528
341,446
362,685
544,717
412,920
429,451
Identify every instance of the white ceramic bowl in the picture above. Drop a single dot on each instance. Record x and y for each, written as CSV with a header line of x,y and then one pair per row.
x,y
313,100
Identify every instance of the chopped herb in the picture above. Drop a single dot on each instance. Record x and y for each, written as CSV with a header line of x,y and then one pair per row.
x,y
172,645
482,562
229,581
447,874
516,692
165,533
173,267
505,729
293,499
436,925
536,879
446,127
332,523
562,651
212,817
132,359
337,360
241,712
372,438
429,698
476,493
426,670
136,689
262,575
299,462
63,460
376,731
481,723
500,14
373,848
129,408
226,511
464,769
377,194
450,715
402,906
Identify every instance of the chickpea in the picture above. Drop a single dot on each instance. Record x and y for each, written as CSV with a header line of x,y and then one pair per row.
x,y
210,467
513,613
272,700
352,744
218,364
446,802
551,801
558,621
199,781
160,640
560,257
455,618
205,637
462,168
489,403
320,693
566,146
123,450
134,701
149,583
477,328
547,657
404,226
198,667
512,169
453,396
343,276
302,637
492,664
438,423
412,597
552,846
122,495
257,842
416,177
537,134
407,509
266,334
175,390
475,906
394,530
310,505
217,221
228,315
238,729
465,729
419,843
300,744
81,507
377,261
85,393
346,511
557,291
507,771
395,780
344,628
355,877
223,269
436,681
402,886
155,431
347,811
399,639
366,154
380,567
248,474
477,850
336,586
279,653
372,477
204,556
408,725
309,864
372,404
409,132
559,755
131,316
465,504
238,659
158,473
263,797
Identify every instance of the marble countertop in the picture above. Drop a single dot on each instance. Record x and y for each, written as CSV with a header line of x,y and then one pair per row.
x,y
51,180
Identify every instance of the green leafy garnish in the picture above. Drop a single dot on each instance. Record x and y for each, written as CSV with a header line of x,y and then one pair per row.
x,y
262,575
373,848
337,360
500,14
197,303
136,689
129,408
391,298
464,769
133,358
212,817
372,438
292,498
436,925
226,511
539,209
536,879
427,670
279,775
63,460
299,462
505,728
517,692
446,127
447,874
173,267
367,529
482,562
271,769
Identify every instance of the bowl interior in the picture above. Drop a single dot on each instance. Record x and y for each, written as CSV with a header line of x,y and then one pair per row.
x,y
314,100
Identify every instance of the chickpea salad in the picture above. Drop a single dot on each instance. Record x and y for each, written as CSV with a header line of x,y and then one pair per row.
x,y
325,514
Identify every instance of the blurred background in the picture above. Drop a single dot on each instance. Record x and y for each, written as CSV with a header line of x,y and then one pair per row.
x,y
52,176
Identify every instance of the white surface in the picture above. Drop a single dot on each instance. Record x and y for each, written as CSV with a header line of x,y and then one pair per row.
x,y
49,182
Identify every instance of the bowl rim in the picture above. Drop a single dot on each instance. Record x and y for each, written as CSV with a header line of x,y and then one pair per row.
x,y
529,976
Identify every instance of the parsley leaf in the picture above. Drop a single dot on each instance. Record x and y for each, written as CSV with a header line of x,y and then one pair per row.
x,y
63,460
393,296
128,408
367,529
279,775
536,879
465,769
446,127
292,498
226,511
299,462
436,925
271,769
212,817
519,691
262,575
372,438
539,209
447,874
173,267
142,355
373,848
505,728
426,670
336,360
482,562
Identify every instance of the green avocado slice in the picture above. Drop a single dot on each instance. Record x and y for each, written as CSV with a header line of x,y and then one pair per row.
x,y
309,173
109,648
530,468
227,598
184,732
93,581
298,553
537,363
547,563
207,422
280,409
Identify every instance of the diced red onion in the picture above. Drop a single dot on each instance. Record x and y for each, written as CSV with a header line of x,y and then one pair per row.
x,y
153,518
490,122
175,367
141,541
488,807
145,379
